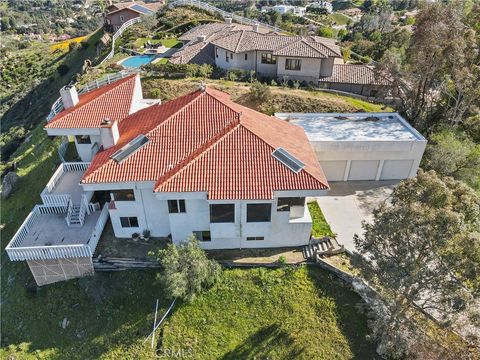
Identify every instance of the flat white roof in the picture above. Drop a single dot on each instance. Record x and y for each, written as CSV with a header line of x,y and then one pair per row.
x,y
354,126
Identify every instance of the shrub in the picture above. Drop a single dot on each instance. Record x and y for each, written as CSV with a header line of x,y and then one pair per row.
x,y
232,76
260,92
73,46
296,84
186,269
155,93
273,83
63,69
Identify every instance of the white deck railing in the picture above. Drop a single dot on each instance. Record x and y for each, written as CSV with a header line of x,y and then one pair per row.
x,y
97,232
50,199
223,13
17,252
119,33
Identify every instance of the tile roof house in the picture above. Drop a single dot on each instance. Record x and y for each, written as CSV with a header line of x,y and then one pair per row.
x,y
199,164
311,59
118,13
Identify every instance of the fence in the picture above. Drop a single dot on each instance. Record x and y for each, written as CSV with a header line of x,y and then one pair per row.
x,y
97,231
223,13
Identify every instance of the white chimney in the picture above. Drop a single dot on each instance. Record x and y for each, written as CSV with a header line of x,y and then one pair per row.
x,y
228,20
69,96
201,38
109,133
256,27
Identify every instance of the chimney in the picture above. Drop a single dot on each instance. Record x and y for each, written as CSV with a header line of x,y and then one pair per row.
x,y
201,38
109,133
256,27
228,21
69,96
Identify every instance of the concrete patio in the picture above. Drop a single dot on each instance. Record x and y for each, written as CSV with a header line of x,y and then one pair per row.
x,y
347,204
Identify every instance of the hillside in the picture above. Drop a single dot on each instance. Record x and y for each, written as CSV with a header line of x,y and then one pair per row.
x,y
30,81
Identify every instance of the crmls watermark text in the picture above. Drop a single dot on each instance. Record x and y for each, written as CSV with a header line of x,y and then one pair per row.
x,y
174,353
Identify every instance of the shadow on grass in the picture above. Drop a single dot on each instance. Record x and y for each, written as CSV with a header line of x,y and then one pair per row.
x,y
261,344
351,312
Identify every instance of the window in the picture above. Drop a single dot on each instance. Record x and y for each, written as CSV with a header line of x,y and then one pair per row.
x,y
123,195
222,213
255,238
128,222
83,139
226,56
293,64
216,52
285,203
202,235
246,56
122,19
259,212
268,58
176,206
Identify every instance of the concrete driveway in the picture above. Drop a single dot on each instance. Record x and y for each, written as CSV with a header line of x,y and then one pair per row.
x,y
347,204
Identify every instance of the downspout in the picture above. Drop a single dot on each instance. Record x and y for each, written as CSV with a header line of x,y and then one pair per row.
x,y
143,207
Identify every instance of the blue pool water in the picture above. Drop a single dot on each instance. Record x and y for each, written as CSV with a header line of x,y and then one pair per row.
x,y
137,61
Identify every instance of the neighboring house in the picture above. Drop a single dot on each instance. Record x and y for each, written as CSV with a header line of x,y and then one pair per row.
x,y
285,9
321,5
310,59
119,13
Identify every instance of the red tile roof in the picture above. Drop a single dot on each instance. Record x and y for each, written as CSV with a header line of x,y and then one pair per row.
x,y
355,74
111,101
205,142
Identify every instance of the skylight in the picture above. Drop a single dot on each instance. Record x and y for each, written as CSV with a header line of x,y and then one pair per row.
x,y
288,160
129,149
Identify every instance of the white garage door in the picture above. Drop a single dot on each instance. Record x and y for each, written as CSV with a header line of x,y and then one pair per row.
x,y
396,169
334,170
363,170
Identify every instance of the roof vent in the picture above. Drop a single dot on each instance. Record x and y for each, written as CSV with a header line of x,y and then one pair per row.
x,y
341,117
201,38
106,121
130,148
228,20
288,160
202,86
372,118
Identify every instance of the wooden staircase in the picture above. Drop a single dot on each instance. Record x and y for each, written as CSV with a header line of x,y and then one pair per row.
x,y
325,246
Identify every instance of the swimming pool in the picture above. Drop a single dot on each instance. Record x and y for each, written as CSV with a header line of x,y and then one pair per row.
x,y
137,61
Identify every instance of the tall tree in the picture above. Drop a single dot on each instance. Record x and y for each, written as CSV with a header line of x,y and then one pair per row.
x,y
436,80
423,249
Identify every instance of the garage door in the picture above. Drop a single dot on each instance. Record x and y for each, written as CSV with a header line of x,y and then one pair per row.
x,y
363,170
334,170
396,169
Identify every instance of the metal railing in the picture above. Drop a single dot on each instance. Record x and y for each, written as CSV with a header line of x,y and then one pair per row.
x,y
223,13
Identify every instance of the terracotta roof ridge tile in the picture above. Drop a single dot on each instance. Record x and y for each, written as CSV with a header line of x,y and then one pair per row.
x,y
239,41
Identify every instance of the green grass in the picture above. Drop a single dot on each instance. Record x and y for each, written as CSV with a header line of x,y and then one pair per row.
x,y
365,105
339,18
320,226
272,314
162,61
171,43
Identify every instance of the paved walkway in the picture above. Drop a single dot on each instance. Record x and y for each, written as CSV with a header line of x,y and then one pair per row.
x,y
347,204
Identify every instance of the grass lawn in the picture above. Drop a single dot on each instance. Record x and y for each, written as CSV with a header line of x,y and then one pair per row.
x,y
272,314
320,226
169,43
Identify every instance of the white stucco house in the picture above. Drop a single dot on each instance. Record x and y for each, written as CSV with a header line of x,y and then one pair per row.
x,y
308,59
200,164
